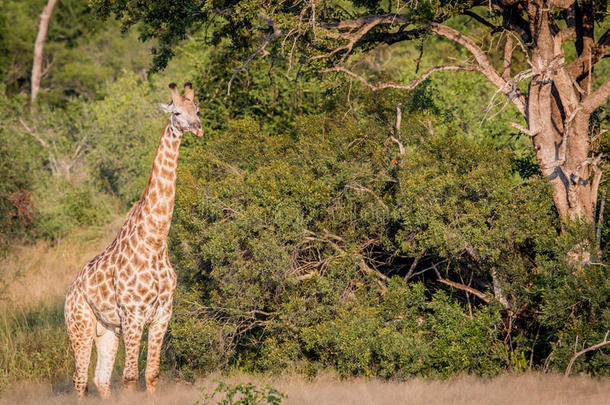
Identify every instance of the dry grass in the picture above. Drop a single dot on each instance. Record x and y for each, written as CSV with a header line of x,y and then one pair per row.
x,y
523,389
33,281
36,273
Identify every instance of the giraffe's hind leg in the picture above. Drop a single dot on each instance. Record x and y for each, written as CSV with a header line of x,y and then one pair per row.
x,y
80,322
106,342
156,332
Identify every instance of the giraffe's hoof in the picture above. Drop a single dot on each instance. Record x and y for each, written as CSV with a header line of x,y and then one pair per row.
x,y
129,385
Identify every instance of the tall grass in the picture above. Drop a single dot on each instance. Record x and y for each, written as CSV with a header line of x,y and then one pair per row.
x,y
33,344
33,273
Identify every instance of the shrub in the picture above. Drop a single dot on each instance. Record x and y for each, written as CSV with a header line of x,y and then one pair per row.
x,y
242,394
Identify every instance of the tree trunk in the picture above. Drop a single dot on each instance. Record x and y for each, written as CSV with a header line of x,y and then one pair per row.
x,y
559,123
38,46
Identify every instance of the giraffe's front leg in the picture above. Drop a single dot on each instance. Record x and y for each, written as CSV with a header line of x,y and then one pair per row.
x,y
156,332
132,333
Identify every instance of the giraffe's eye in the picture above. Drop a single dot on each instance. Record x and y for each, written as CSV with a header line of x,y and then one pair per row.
x,y
176,113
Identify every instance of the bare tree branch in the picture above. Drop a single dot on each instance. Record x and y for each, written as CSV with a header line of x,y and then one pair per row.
x,y
362,26
530,132
366,20
588,349
358,187
396,137
565,34
266,41
600,219
597,98
391,85
413,266
33,133
508,55
393,37
561,3
494,28
38,47
484,63
512,19
587,59
459,286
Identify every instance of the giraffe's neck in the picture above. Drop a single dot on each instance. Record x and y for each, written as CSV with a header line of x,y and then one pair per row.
x,y
156,206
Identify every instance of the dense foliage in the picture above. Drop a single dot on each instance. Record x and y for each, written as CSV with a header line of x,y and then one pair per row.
x,y
309,232
323,246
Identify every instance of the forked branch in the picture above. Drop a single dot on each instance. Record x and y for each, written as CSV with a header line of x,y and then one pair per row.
x,y
485,66
588,349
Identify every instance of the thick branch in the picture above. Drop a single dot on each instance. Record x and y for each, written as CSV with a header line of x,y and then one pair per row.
x,y
597,98
391,85
587,59
508,55
459,286
604,42
394,37
494,28
485,65
366,20
513,20
561,3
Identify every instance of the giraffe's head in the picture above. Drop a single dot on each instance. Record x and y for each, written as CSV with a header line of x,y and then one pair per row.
x,y
183,110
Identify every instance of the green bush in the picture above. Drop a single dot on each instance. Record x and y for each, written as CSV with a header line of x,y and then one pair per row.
x,y
18,169
64,207
289,239
34,345
125,128
405,334
242,394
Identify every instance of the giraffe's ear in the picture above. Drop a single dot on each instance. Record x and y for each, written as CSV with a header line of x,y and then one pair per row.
x,y
168,108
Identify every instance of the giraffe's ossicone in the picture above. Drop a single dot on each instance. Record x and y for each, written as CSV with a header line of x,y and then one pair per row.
x,y
131,283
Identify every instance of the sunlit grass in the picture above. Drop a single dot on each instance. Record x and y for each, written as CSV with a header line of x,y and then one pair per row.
x,y
39,272
33,344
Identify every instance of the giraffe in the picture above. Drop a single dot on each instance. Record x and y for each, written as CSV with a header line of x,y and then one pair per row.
x,y
131,283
